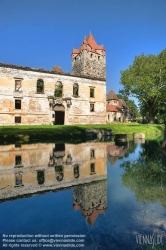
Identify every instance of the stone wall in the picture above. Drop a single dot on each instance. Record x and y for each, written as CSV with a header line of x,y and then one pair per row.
x,y
89,64
91,195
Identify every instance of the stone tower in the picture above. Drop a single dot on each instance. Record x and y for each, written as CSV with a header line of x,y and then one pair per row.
x,y
91,199
89,59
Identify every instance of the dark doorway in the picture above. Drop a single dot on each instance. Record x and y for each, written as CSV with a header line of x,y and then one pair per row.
x,y
59,114
59,117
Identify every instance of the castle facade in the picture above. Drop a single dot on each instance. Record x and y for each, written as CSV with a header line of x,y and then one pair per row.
x,y
31,96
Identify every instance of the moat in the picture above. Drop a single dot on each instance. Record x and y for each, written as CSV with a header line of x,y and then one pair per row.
x,y
96,195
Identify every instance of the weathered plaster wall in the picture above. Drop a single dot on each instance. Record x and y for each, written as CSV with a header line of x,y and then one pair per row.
x,y
45,157
117,117
35,107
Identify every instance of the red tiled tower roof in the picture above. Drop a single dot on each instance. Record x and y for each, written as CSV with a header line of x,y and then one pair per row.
x,y
89,44
91,214
112,96
113,108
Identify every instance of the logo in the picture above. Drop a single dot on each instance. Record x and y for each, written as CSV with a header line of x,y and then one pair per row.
x,y
147,239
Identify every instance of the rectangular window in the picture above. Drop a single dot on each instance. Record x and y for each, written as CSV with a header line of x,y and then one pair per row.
x,y
40,177
92,153
18,160
92,107
17,85
17,104
92,92
40,86
92,168
18,179
17,119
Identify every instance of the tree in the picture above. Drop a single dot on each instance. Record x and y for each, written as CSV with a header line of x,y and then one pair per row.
x,y
133,110
145,79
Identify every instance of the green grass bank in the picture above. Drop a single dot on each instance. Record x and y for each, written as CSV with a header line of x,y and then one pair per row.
x,y
31,134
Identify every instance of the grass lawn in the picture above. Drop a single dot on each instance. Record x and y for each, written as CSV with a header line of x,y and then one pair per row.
x,y
72,132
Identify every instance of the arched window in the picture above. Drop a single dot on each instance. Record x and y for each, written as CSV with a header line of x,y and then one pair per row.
x,y
59,173
75,89
40,86
58,89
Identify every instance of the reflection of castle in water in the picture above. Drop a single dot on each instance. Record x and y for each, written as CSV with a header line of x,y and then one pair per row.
x,y
33,168
28,169
91,199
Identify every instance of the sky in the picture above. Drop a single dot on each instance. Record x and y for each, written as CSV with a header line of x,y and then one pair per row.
x,y
42,33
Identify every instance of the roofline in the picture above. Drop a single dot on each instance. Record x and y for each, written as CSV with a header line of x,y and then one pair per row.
x,y
48,71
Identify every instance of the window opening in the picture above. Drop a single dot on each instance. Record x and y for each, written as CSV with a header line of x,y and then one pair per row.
x,y
76,171
18,179
17,85
92,168
92,91
75,89
40,86
58,90
40,177
59,173
17,119
17,104
92,107
18,160
92,153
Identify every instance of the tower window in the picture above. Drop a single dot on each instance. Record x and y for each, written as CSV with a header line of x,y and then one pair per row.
x,y
40,86
92,92
91,55
17,104
98,57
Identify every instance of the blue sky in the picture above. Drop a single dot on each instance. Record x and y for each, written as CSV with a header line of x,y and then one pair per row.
x,y
42,33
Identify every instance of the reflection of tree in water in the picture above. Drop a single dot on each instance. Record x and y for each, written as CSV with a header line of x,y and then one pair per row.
x,y
147,175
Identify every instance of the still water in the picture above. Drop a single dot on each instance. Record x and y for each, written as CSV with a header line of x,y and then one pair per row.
x,y
93,195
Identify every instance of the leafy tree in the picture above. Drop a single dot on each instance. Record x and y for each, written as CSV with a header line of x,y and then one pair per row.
x,y
145,79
